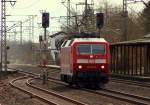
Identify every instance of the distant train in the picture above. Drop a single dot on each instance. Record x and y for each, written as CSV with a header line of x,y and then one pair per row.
x,y
85,61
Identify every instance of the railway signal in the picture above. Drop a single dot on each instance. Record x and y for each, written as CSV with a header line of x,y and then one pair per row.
x,y
43,41
45,20
99,20
7,47
40,38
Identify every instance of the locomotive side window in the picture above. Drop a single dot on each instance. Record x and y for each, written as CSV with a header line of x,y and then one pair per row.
x,y
91,49
98,49
84,49
64,43
71,42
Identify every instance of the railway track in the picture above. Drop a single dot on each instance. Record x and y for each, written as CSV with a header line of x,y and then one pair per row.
x,y
129,82
47,96
135,99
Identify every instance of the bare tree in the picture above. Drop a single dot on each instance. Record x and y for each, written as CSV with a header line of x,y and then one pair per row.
x,y
146,15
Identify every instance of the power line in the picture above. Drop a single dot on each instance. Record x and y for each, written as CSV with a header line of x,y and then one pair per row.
x,y
30,5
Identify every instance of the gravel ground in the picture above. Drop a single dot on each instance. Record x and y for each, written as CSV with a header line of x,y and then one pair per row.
x,y
132,89
52,72
111,85
11,96
86,97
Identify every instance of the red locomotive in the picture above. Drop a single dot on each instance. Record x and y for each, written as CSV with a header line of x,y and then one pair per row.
x,y
85,61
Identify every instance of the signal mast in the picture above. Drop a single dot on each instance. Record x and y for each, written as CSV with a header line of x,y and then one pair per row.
x,y
45,24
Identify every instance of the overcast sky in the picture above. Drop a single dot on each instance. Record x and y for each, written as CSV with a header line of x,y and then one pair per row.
x,y
54,7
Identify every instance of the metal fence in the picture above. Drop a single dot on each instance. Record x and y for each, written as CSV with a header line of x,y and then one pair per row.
x,y
131,58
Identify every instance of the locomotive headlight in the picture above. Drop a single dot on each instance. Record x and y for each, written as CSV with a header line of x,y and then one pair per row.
x,y
91,56
80,67
102,67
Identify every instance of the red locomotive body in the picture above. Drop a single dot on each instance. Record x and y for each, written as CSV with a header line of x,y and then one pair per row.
x,y
85,61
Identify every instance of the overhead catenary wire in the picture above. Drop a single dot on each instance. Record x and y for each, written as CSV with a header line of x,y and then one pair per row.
x,y
30,5
11,27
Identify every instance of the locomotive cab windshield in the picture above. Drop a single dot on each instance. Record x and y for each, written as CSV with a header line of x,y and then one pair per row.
x,y
91,49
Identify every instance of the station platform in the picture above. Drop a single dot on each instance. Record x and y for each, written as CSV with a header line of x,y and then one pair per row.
x,y
54,66
50,66
129,77
9,71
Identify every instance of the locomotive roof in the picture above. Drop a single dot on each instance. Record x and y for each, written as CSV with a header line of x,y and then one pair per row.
x,y
68,43
89,40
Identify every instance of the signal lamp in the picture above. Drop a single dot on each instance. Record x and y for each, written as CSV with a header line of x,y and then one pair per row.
x,y
99,20
7,47
45,20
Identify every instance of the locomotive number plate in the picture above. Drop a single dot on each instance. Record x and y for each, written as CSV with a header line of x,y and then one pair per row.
x,y
91,61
